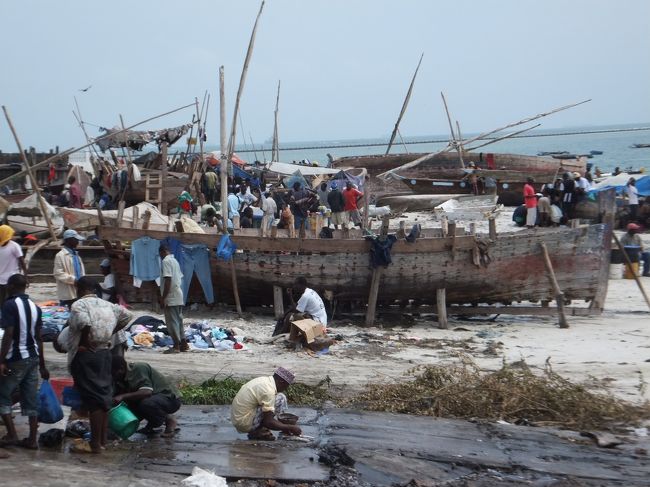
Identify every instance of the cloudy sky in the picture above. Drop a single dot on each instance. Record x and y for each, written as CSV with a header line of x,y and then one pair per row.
x,y
345,65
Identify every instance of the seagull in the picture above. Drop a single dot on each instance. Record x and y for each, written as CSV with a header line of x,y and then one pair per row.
x,y
86,89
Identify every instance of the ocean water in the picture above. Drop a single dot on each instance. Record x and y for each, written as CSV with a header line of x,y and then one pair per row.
x,y
614,143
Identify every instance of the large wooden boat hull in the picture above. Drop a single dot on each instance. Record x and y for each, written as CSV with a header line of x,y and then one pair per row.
x,y
514,271
446,166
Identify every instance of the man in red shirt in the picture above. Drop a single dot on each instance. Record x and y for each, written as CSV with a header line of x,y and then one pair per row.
x,y
351,196
530,200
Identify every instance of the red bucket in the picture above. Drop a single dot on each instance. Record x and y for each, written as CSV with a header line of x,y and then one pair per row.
x,y
59,383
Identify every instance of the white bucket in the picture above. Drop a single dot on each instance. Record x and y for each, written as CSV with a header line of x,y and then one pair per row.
x,y
616,271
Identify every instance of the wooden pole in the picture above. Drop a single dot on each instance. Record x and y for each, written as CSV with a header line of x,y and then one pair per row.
x,y
235,288
77,149
559,295
503,137
460,145
223,164
242,81
441,308
374,282
163,177
278,302
492,224
404,106
455,140
630,268
126,142
32,177
275,151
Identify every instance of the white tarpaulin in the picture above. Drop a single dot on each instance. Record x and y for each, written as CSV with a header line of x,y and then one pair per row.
x,y
288,169
86,219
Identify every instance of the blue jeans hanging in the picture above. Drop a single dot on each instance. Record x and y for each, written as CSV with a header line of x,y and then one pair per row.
x,y
196,258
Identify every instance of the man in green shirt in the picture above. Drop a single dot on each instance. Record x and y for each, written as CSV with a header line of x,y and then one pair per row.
x,y
148,393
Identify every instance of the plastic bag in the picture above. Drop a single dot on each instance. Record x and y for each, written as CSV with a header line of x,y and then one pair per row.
x,y
204,478
49,408
226,248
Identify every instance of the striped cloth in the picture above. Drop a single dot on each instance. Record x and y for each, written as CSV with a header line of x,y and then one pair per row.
x,y
20,313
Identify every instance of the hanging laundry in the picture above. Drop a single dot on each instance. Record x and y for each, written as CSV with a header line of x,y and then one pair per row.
x,y
380,249
196,259
145,261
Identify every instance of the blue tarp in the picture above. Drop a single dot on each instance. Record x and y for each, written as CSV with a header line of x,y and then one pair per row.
x,y
642,185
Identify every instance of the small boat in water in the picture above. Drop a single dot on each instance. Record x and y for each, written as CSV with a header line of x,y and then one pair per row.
x,y
640,146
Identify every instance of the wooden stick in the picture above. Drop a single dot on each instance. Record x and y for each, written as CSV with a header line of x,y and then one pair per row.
x,y
630,268
120,213
404,106
235,288
559,295
136,217
223,164
77,149
374,294
126,138
441,305
275,151
278,302
32,177
492,224
525,120
504,137
242,81
454,139
163,177
460,145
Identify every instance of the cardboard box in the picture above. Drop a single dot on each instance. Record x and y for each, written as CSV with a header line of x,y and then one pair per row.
x,y
306,330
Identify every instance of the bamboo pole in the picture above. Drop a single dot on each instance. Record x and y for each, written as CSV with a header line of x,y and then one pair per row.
x,y
223,165
77,149
240,90
32,177
628,264
404,106
275,151
460,145
559,295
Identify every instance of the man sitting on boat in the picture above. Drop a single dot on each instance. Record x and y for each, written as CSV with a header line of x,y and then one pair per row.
x,y
258,406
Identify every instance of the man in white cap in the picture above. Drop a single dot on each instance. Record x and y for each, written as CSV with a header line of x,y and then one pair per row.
x,y
107,286
68,268
259,403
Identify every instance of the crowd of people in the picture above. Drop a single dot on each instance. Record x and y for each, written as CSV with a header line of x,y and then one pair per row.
x,y
95,343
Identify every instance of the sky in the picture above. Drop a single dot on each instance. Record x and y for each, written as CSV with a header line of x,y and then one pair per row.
x,y
345,65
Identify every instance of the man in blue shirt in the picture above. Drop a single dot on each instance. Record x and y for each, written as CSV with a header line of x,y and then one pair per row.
x,y
21,357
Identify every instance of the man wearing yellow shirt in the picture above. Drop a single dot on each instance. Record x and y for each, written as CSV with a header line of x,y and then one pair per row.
x,y
259,402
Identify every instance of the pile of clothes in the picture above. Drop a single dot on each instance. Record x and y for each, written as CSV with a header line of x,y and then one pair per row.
x,y
54,319
148,332
204,336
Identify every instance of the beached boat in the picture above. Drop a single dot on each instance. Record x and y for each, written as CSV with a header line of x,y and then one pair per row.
x,y
446,167
499,268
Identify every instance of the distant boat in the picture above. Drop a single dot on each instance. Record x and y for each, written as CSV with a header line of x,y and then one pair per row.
x,y
640,146
552,153
596,152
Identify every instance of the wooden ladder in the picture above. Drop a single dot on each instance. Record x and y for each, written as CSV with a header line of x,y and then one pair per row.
x,y
153,191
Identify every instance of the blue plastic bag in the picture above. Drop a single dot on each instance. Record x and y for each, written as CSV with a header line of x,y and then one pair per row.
x,y
49,408
226,248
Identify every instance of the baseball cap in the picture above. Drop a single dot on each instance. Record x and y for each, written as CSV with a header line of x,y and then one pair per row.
x,y
72,234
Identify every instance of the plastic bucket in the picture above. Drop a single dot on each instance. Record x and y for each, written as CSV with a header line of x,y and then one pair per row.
x,y
615,271
122,421
59,383
72,398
